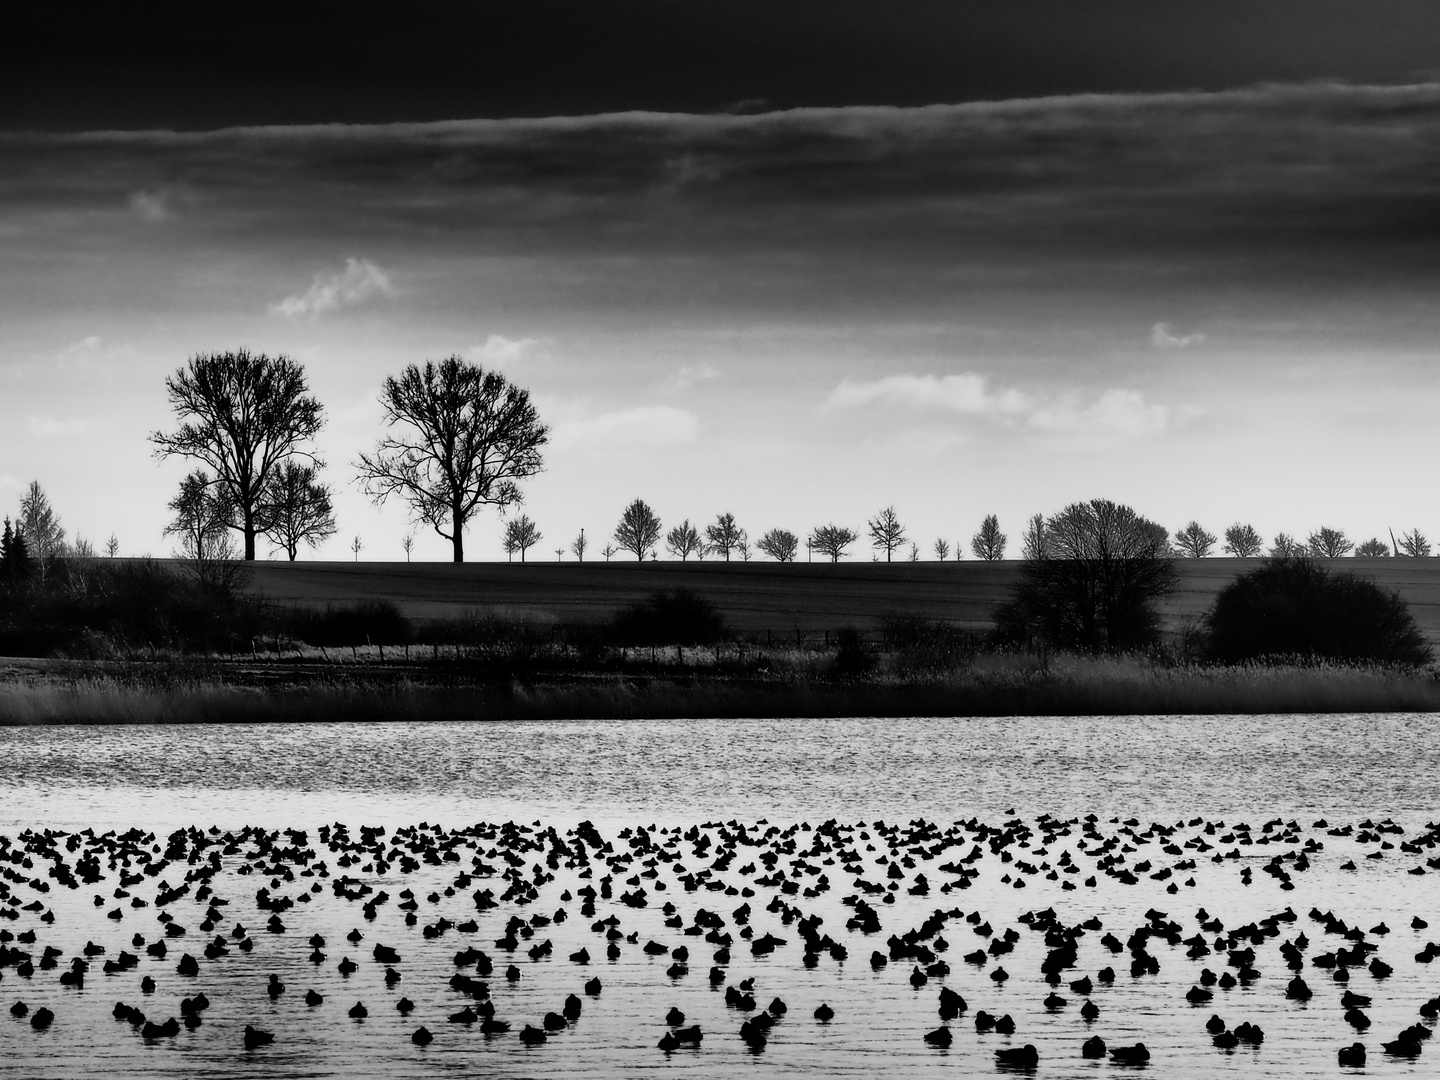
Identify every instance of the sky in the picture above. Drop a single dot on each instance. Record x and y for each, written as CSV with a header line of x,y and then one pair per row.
x,y
794,262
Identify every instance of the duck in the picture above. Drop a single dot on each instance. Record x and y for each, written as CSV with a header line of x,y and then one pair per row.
x,y
255,1037
941,1037
1352,1056
358,1011
421,1036
313,998
1093,1048
1026,1057
824,1013
1130,1055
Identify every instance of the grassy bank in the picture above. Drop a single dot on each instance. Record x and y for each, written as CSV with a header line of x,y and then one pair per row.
x,y
990,686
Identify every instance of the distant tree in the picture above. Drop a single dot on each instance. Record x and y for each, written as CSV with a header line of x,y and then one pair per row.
x,y
243,416
520,535
14,553
1373,549
1242,541
578,545
608,550
743,547
38,522
1287,547
886,532
297,508
1298,607
724,535
780,544
203,518
1414,544
1193,542
462,438
81,549
559,555
1105,569
683,541
989,542
1327,543
832,540
942,549
356,545
639,529
1033,545
914,552
112,546
407,544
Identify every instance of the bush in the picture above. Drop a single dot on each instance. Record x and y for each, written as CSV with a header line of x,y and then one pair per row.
x,y
852,659
371,622
670,618
1298,608
926,646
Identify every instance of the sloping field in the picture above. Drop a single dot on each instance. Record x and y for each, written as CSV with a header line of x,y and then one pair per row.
x,y
755,597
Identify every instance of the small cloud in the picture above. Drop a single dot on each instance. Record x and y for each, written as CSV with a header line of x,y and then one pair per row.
x,y
360,282
47,427
689,375
1163,336
499,349
1116,412
151,206
648,425
966,394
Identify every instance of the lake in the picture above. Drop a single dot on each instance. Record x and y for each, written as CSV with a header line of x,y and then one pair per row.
x,y
1221,813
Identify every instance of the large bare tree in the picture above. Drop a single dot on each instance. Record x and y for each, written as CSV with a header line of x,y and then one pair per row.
x,y
724,535
244,416
1242,541
832,540
684,540
780,544
886,532
1194,542
989,542
460,438
521,534
297,508
639,529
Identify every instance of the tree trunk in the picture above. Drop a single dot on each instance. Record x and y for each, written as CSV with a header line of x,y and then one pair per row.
x,y
249,534
457,535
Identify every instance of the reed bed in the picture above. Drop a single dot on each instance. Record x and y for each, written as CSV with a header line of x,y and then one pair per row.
x,y
989,685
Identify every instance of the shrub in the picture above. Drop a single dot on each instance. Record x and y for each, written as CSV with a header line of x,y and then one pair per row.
x,y
670,618
926,646
1299,608
852,659
369,622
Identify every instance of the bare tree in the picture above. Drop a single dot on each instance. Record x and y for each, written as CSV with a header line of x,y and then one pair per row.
x,y
520,535
1373,549
461,438
780,544
914,552
204,517
683,541
743,547
724,535
112,546
408,544
1034,546
1286,547
577,546
39,524
639,529
989,542
942,549
886,532
297,508
609,550
1242,541
1327,543
559,555
243,416
356,545
832,540
1194,542
1414,544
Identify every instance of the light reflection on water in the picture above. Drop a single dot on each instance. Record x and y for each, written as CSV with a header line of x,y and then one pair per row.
x,y
1163,769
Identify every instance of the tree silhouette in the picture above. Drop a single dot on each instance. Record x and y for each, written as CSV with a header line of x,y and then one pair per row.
x,y
639,529
297,508
1373,549
461,438
1034,545
1327,543
1096,589
832,540
942,549
608,550
356,545
204,516
39,524
520,535
724,535
1194,542
1414,544
14,553
243,416
112,546
578,545
886,532
1286,546
1242,541
780,544
407,544
989,542
683,541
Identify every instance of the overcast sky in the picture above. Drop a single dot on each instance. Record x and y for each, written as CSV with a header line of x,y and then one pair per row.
x,y
796,262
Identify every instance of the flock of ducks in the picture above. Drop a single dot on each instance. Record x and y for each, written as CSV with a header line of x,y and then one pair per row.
x,y
722,874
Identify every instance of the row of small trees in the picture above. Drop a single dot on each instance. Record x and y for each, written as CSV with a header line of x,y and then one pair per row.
x,y
1242,541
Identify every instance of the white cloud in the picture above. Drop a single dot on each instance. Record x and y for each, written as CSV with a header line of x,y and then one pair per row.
x,y
1163,336
967,394
499,349
689,375
1115,412
48,427
647,425
359,282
